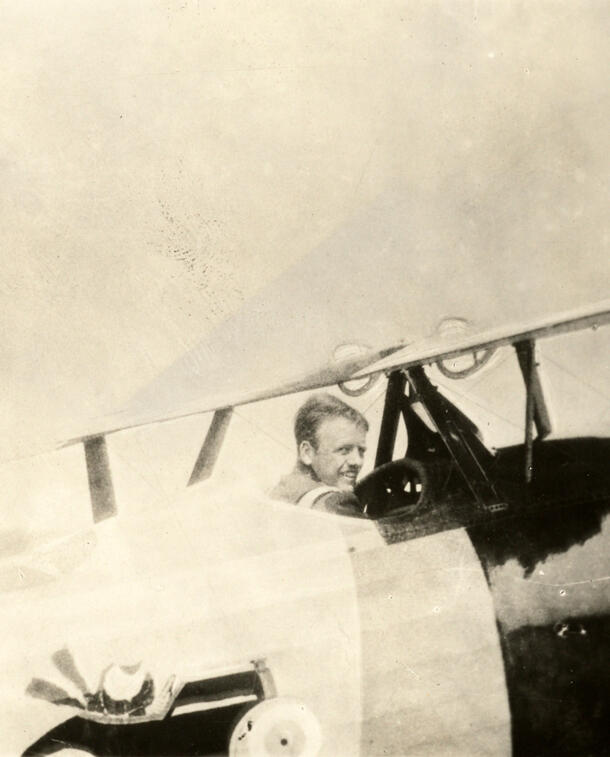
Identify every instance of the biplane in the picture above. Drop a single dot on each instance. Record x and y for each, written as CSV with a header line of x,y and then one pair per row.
x,y
467,614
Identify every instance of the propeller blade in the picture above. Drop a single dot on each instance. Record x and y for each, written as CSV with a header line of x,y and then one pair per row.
x,y
41,689
64,662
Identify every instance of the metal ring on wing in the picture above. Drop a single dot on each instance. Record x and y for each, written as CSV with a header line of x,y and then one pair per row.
x,y
354,387
480,358
360,388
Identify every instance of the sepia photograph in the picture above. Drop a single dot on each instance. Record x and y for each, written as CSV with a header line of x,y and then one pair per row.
x,y
305,442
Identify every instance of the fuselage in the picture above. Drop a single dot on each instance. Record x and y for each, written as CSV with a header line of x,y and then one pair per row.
x,y
480,633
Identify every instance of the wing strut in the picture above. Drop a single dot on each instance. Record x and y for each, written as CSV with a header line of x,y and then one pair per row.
x,y
101,490
536,413
208,454
468,453
529,368
395,393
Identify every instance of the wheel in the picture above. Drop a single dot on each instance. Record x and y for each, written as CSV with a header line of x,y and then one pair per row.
x,y
280,727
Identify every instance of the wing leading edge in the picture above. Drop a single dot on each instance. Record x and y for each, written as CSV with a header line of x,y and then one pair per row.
x,y
444,346
438,346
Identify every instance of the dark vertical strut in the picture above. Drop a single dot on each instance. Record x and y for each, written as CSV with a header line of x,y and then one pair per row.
x,y
536,413
208,454
469,454
529,369
103,503
391,413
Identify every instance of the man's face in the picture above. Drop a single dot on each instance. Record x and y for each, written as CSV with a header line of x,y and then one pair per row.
x,y
337,459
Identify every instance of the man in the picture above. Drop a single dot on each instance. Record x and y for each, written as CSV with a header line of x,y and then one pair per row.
x,y
331,438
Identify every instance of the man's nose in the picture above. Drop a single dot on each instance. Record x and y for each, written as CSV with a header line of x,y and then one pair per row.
x,y
355,458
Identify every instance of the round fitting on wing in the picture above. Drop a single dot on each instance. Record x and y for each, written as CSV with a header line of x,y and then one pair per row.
x,y
358,386
280,727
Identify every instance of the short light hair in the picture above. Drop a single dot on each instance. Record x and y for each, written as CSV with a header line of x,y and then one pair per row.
x,y
318,408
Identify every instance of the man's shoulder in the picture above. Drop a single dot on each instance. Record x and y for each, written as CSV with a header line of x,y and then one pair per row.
x,y
293,486
300,488
339,503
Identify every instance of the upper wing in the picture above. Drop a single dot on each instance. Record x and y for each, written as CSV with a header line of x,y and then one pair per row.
x,y
503,260
524,255
460,339
334,372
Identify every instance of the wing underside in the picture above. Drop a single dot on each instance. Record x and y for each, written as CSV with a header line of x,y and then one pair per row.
x,y
437,347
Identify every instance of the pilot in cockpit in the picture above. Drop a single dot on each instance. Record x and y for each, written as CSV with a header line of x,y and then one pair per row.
x,y
331,442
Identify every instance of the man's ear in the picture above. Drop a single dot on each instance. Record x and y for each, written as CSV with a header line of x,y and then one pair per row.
x,y
306,452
